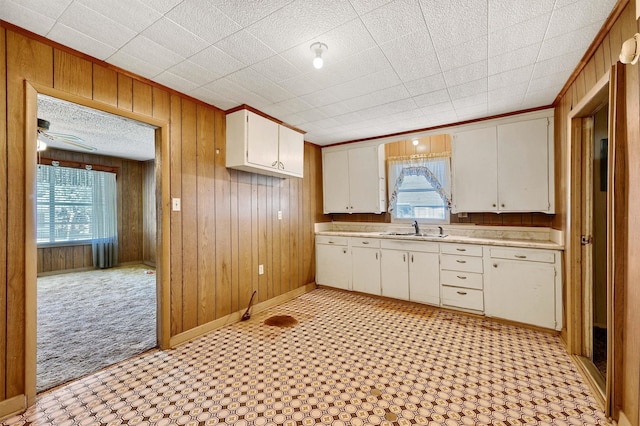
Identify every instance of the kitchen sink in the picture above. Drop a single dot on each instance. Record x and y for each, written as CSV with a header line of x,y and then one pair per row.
x,y
422,234
398,233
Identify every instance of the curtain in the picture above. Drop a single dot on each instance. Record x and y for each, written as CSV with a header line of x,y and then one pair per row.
x,y
436,169
105,220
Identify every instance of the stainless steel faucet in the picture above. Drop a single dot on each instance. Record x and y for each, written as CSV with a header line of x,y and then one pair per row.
x,y
416,227
440,230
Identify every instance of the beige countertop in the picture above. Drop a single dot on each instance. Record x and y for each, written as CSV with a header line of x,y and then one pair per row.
x,y
499,236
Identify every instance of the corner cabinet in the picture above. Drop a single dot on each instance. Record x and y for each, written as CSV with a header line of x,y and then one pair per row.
x,y
504,168
354,180
259,145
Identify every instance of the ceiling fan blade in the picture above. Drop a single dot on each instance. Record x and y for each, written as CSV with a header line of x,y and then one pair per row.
x,y
69,140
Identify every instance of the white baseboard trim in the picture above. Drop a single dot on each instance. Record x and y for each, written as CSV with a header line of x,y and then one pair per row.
x,y
235,316
12,406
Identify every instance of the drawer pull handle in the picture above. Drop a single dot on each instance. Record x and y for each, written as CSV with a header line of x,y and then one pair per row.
x,y
404,257
461,261
462,293
330,242
365,242
376,255
462,277
461,249
411,258
520,256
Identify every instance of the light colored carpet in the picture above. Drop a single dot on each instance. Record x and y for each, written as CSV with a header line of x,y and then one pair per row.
x,y
89,320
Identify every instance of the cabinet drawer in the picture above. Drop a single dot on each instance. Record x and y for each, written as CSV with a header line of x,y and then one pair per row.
x,y
423,246
462,298
461,263
461,279
523,254
461,249
331,239
365,242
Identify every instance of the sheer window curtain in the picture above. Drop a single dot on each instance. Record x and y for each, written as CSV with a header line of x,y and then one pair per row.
x,y
105,220
435,168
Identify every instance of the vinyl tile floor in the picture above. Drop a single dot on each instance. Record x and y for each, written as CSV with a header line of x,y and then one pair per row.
x,y
350,360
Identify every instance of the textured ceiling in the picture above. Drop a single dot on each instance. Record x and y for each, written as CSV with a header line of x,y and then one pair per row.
x,y
392,66
109,134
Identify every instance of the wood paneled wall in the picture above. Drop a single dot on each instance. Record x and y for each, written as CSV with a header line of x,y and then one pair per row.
x,y
605,55
149,217
228,224
437,144
130,181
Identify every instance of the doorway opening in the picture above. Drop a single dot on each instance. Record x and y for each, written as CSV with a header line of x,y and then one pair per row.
x,y
96,294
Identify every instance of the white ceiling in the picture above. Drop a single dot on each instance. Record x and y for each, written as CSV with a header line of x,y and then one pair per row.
x,y
392,66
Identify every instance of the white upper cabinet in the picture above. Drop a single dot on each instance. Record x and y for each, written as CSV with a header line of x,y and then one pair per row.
x,y
504,168
259,145
354,180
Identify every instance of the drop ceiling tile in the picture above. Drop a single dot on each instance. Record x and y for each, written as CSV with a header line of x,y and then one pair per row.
x,y
301,85
77,40
21,16
467,90
508,93
95,25
514,59
412,56
301,21
364,6
469,101
150,52
337,110
293,120
548,81
162,6
213,98
578,15
471,112
215,59
253,81
174,37
393,20
379,97
203,19
388,108
131,13
539,98
276,68
554,65
577,40
511,77
176,82
134,64
246,13
194,73
245,47
363,85
356,66
433,98
294,105
452,22
232,91
320,98
426,84
312,115
516,37
505,13
345,40
462,75
327,123
466,53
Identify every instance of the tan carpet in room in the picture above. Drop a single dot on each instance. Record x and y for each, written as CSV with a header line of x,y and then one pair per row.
x,y
89,320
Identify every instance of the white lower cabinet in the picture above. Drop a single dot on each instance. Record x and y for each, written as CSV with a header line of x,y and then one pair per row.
x,y
461,276
365,258
333,262
409,271
523,285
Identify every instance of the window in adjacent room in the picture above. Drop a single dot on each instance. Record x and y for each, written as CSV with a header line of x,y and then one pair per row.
x,y
420,188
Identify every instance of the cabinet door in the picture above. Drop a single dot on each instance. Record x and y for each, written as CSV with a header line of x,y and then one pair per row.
x,y
333,266
521,291
364,180
262,141
424,279
366,270
394,271
474,163
335,177
523,166
291,151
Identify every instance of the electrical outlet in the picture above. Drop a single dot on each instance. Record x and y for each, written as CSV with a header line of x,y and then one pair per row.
x,y
279,214
175,204
260,269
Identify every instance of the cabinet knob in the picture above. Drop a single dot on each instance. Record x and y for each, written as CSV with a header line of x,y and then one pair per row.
x,y
495,265
501,205
493,205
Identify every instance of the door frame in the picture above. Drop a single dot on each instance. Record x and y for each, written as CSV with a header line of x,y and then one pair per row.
x,y
163,248
609,89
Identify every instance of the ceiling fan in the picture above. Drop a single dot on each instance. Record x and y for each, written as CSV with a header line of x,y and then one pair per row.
x,y
44,135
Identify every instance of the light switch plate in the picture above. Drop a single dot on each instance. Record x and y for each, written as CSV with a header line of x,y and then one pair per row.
x,y
279,214
175,204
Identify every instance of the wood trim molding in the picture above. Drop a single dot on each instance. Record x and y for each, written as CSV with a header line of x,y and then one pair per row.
x,y
12,406
236,316
78,165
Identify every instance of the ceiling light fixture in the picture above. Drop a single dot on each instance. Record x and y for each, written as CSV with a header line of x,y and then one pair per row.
x,y
630,50
415,142
318,48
